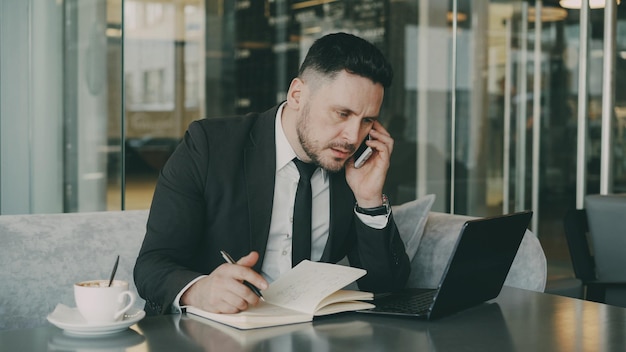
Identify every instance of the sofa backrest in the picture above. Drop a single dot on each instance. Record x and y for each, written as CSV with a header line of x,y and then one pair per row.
x,y
43,255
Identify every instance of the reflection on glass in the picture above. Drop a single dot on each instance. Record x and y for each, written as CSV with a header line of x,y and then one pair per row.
x,y
214,336
163,68
120,341
316,336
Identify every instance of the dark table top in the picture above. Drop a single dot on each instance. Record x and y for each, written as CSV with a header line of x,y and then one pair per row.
x,y
518,320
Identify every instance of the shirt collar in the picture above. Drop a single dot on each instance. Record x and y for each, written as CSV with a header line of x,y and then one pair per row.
x,y
284,151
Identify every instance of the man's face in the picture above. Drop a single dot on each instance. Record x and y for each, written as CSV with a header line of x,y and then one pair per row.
x,y
336,117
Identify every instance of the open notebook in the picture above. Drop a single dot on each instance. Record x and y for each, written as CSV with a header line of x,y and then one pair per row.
x,y
307,290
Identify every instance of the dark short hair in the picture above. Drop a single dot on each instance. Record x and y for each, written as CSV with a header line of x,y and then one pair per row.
x,y
335,52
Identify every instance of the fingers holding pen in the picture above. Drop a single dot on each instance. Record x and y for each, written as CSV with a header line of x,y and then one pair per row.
x,y
246,274
246,280
237,294
224,291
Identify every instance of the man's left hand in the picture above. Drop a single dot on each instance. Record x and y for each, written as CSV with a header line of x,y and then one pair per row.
x,y
367,181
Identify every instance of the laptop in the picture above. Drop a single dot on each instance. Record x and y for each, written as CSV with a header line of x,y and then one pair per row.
x,y
475,273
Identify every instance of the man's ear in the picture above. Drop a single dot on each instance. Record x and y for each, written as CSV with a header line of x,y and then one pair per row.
x,y
294,94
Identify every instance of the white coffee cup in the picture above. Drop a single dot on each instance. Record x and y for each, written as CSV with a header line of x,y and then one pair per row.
x,y
100,303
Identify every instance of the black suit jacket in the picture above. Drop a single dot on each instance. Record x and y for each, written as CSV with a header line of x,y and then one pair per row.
x,y
216,191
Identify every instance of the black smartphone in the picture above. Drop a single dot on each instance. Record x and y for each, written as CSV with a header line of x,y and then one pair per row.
x,y
362,154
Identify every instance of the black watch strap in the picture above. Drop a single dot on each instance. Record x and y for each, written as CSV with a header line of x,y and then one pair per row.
x,y
380,210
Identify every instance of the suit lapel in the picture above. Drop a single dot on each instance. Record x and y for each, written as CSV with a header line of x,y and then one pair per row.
x,y
260,174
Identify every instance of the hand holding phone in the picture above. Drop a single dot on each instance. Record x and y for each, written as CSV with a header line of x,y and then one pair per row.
x,y
362,154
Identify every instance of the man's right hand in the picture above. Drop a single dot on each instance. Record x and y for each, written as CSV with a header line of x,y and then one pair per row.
x,y
223,290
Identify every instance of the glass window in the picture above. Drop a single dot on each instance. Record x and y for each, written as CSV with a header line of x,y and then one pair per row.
x,y
96,94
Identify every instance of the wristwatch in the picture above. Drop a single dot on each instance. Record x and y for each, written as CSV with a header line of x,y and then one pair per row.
x,y
380,210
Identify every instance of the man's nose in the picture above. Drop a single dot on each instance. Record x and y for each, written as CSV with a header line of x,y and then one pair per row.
x,y
351,132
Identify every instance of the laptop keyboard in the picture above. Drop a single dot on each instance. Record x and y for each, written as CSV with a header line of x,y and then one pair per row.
x,y
407,304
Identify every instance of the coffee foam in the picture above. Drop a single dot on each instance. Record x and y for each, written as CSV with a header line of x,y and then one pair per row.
x,y
99,283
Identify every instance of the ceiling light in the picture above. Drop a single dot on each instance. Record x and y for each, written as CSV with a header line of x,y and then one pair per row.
x,y
576,4
548,14
460,16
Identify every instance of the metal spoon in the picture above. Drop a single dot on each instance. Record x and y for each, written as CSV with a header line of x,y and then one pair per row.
x,y
114,270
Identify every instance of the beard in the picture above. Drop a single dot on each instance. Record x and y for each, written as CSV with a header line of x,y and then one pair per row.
x,y
313,149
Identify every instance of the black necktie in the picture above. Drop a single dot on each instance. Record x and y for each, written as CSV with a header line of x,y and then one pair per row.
x,y
301,241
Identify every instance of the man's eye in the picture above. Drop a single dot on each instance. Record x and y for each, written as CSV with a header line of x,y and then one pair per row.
x,y
368,121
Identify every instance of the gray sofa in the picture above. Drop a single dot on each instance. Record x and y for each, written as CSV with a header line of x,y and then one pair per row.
x,y
43,255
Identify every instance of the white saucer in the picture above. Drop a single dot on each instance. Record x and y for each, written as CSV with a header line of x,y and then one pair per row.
x,y
73,323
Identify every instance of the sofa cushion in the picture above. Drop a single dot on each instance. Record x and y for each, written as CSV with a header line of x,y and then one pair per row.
x,y
410,218
528,270
441,233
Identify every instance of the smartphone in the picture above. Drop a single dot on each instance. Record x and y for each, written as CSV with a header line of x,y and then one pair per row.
x,y
362,154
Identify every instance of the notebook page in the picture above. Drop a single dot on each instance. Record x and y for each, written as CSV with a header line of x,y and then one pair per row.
x,y
308,283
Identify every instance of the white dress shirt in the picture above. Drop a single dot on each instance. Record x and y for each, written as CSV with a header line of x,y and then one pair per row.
x,y
278,250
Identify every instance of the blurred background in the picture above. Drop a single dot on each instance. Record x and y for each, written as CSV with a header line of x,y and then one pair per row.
x,y
96,94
